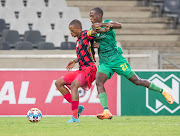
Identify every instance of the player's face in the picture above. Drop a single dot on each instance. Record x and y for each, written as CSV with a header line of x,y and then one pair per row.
x,y
94,17
74,30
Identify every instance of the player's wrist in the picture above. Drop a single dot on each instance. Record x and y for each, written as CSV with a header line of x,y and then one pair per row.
x,y
74,61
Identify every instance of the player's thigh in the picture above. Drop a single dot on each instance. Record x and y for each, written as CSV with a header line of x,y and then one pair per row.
x,y
69,77
122,67
81,79
105,69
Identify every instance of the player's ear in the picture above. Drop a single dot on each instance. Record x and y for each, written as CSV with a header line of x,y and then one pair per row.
x,y
80,27
99,15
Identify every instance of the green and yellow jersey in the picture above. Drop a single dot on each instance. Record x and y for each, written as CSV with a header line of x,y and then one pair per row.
x,y
108,49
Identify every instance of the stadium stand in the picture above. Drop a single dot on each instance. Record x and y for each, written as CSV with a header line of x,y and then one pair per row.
x,y
68,46
86,23
63,25
154,2
37,4
39,15
19,24
51,14
4,46
29,15
7,14
55,37
14,4
142,28
172,9
33,36
2,25
71,13
23,45
43,25
45,46
57,4
11,37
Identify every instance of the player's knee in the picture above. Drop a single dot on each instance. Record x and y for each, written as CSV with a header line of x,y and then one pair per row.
x,y
74,85
59,82
99,83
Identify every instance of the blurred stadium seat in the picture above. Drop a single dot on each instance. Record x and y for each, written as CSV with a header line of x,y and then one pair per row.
x,y
45,46
14,4
37,4
19,24
86,23
23,45
7,14
154,2
43,25
55,37
63,25
28,14
2,25
172,9
4,46
10,36
68,46
51,14
71,13
57,4
33,36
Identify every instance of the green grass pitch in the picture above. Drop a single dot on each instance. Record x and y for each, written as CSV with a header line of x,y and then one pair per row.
x,y
91,126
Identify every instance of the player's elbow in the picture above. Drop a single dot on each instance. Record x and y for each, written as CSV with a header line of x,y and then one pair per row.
x,y
120,25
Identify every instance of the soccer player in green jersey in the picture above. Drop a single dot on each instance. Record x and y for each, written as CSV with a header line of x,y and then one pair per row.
x,y
111,60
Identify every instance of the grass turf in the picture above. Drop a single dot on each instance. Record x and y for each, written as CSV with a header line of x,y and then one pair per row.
x,y
91,126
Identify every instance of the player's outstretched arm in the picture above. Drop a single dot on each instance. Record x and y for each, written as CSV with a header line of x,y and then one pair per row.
x,y
91,33
71,64
114,25
97,26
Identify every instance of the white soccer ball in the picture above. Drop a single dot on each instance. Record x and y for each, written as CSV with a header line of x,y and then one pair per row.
x,y
34,115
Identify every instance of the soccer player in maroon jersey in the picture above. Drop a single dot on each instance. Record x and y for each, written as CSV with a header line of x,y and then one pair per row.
x,y
87,69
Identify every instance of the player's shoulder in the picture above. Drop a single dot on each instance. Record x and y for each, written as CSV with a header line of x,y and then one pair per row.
x,y
84,32
107,21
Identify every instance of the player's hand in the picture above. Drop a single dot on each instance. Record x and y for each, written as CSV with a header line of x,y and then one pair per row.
x,y
107,27
70,65
96,26
96,45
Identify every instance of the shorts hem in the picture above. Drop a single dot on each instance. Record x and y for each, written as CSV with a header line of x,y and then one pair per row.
x,y
129,75
105,72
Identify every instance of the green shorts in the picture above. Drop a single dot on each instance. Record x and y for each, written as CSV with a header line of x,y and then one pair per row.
x,y
119,65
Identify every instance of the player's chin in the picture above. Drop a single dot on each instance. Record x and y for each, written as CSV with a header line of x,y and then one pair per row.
x,y
73,35
92,21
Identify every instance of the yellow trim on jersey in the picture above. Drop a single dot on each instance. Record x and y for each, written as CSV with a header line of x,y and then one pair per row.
x,y
89,33
91,52
98,28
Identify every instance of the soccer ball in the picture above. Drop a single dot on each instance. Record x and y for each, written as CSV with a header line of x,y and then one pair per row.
x,y
34,115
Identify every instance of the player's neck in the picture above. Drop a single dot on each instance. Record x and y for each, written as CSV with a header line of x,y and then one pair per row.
x,y
79,34
100,21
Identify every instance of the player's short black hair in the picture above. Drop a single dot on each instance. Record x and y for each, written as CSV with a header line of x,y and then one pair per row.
x,y
98,10
76,22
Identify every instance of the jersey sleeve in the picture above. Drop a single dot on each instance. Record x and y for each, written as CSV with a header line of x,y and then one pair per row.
x,y
108,21
89,35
